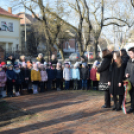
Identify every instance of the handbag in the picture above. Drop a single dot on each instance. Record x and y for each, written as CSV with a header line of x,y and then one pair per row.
x,y
97,76
103,86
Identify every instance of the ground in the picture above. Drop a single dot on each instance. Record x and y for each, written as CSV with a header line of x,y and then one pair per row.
x,y
62,112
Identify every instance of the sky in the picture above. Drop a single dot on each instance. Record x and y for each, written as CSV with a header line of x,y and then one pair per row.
x,y
108,31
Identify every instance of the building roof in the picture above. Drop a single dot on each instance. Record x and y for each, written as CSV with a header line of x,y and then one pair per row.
x,y
29,18
6,13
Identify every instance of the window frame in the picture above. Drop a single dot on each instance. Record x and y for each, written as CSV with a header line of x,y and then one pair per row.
x,y
2,25
12,25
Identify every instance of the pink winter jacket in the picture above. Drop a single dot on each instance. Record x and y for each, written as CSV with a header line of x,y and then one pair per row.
x,y
3,78
44,76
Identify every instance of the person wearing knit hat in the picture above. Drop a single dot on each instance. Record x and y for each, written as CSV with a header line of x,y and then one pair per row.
x,y
59,77
19,79
84,64
75,76
3,79
66,76
4,66
84,76
44,78
3,63
27,75
11,77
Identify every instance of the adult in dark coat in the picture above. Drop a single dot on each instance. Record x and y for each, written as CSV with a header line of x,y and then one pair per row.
x,y
53,60
124,56
129,73
104,75
40,58
116,80
10,59
27,75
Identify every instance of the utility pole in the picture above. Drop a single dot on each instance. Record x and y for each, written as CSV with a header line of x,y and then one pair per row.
x,y
25,30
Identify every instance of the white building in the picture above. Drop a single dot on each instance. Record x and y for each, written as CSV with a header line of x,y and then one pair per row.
x,y
9,30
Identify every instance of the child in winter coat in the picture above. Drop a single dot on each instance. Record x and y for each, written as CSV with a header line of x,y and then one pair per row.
x,y
84,76
11,77
4,66
19,79
3,79
75,76
53,75
59,76
93,72
71,80
27,75
49,82
66,75
35,78
44,78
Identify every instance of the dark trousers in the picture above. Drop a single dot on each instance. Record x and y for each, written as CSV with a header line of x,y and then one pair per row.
x,y
59,83
9,88
84,84
25,85
71,84
131,92
49,84
75,84
88,83
42,86
107,98
18,87
120,100
95,85
79,84
67,85
54,84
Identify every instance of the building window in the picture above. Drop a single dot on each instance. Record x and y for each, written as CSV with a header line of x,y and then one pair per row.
x,y
10,27
66,45
3,26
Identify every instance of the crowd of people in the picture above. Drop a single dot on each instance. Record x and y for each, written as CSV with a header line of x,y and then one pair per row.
x,y
39,76
114,69
23,76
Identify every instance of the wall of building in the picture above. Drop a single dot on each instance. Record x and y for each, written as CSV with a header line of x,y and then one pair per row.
x,y
10,39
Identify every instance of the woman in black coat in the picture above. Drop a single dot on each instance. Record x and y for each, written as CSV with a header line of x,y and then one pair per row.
x,y
104,74
116,80
124,56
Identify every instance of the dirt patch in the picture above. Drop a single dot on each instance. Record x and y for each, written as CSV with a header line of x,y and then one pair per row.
x,y
62,112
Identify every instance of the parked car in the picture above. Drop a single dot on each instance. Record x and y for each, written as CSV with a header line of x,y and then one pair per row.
x,y
90,56
74,57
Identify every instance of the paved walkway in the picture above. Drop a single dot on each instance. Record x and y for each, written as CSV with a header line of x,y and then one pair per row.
x,y
64,112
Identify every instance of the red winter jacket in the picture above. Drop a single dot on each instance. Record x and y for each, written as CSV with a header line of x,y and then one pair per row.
x,y
93,74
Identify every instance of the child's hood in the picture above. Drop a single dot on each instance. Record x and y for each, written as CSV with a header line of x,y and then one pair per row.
x,y
17,71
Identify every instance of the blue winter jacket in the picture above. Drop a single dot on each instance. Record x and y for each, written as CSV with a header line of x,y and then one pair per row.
x,y
76,74
10,75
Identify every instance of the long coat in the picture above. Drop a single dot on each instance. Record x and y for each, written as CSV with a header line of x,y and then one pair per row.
x,y
130,71
104,68
116,77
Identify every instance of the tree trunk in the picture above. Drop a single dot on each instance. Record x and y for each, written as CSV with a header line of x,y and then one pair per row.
x,y
62,55
95,50
80,48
